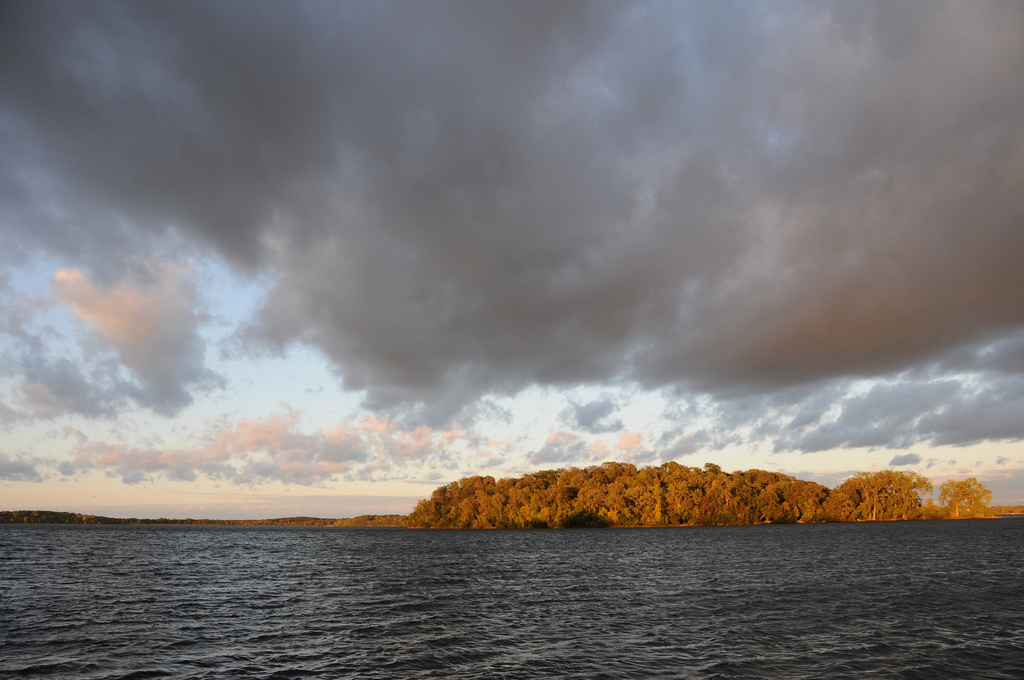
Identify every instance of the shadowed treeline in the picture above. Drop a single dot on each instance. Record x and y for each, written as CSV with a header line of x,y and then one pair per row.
x,y
619,494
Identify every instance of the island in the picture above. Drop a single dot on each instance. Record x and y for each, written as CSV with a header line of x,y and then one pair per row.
x,y
623,495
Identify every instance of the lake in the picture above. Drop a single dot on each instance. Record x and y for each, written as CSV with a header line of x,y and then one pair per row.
x,y
939,599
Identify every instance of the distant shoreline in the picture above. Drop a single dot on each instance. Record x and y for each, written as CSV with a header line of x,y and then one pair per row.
x,y
49,517
54,517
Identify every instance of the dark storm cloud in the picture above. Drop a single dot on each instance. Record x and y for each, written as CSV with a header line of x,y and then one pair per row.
x,y
457,200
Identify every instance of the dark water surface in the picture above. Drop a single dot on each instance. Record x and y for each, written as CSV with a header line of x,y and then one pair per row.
x,y
881,600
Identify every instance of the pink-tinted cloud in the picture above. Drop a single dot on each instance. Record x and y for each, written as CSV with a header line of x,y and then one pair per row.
x,y
150,319
632,449
133,463
276,449
568,448
129,318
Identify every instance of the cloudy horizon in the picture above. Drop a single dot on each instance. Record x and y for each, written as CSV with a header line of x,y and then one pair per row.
x,y
310,258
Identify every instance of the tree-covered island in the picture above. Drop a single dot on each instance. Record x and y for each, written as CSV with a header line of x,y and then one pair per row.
x,y
620,494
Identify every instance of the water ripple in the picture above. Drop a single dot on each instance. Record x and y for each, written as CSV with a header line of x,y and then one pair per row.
x,y
908,600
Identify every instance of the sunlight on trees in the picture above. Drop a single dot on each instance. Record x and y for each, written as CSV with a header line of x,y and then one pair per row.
x,y
967,498
619,494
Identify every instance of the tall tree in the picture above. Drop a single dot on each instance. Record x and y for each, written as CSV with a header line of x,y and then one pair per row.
x,y
969,496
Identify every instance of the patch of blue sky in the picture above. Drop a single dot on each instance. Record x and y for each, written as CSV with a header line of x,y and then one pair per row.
x,y
301,379
54,324
229,298
262,383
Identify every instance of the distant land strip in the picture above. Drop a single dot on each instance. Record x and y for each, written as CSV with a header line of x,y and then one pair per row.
x,y
51,517
622,495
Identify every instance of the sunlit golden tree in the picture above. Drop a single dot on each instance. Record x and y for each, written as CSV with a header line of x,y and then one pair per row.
x,y
967,498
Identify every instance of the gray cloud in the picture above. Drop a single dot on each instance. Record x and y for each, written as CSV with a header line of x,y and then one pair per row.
x,y
45,387
457,200
150,319
16,310
141,345
676,446
560,447
51,389
18,469
905,459
594,417
920,406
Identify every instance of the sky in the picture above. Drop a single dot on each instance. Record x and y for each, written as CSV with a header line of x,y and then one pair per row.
x,y
266,259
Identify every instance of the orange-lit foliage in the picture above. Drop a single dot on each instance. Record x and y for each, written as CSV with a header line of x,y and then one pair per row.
x,y
619,494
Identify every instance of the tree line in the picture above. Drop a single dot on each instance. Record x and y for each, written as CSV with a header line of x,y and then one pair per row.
x,y
620,494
